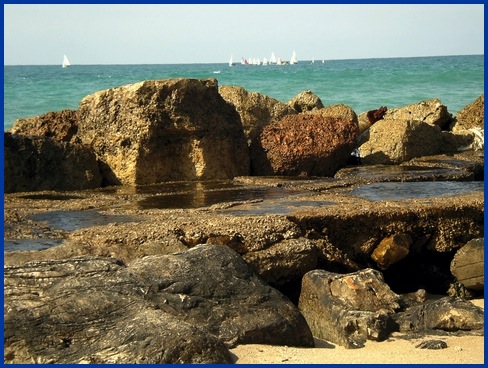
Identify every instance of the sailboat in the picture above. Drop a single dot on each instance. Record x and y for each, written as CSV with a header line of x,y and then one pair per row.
x,y
66,62
294,59
231,61
272,60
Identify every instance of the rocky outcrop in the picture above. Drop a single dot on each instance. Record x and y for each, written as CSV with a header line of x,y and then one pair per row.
x,y
471,116
432,112
306,145
468,265
166,130
256,110
348,309
393,141
306,101
181,308
61,126
33,163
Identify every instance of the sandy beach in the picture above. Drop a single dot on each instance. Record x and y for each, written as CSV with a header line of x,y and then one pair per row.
x,y
460,350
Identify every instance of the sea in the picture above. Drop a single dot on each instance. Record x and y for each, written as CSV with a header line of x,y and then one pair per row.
x,y
362,84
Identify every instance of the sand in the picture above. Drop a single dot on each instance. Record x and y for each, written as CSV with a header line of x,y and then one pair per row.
x,y
460,350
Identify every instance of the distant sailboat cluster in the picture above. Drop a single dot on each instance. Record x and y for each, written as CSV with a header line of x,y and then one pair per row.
x,y
273,60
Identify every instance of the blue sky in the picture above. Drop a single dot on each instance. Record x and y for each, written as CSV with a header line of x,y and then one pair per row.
x,y
204,33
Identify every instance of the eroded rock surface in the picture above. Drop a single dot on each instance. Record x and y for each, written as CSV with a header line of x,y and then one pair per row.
x,y
178,308
156,131
36,163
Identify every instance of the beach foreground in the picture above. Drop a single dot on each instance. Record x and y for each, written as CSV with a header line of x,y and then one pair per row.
x,y
396,350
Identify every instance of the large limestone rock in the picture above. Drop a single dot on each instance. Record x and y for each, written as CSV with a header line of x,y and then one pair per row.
x,y
468,265
432,112
393,141
306,101
471,116
61,126
164,130
307,145
179,308
38,163
348,309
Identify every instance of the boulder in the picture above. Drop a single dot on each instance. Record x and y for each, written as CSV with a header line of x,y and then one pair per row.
x,y
445,314
339,111
34,163
61,126
471,116
164,130
391,141
468,265
306,101
432,112
391,250
185,307
256,110
306,145
348,309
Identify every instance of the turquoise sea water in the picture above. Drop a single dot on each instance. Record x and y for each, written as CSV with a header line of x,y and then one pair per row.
x,y
363,84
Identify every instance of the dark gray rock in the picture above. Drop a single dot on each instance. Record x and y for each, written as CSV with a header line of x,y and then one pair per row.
x,y
348,309
447,314
180,308
432,345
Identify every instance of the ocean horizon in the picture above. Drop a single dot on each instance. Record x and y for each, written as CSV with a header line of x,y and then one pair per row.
x,y
362,84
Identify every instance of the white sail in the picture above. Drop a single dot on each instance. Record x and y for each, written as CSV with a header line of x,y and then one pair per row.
x,y
272,60
293,59
66,62
231,62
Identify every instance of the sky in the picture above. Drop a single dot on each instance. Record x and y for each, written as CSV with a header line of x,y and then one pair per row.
x,y
37,34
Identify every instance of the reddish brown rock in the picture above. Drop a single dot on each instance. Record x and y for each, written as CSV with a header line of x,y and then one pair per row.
x,y
61,126
306,145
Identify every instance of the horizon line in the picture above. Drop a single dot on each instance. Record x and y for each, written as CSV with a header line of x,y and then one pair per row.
x,y
237,63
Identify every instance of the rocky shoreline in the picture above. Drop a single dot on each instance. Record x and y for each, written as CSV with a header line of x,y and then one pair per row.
x,y
236,245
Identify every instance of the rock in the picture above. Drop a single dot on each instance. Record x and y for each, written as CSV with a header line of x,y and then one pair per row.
x,y
471,116
164,130
61,126
33,163
256,110
432,112
368,118
178,308
347,309
446,314
340,111
375,115
391,250
306,101
306,145
468,265
395,141
285,261
432,345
